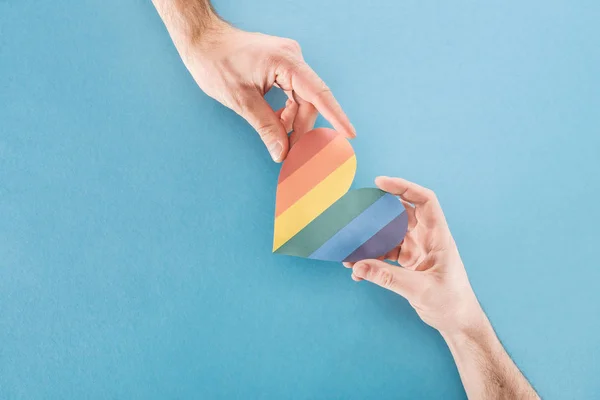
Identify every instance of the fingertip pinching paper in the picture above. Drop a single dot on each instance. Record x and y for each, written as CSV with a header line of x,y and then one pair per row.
x,y
316,216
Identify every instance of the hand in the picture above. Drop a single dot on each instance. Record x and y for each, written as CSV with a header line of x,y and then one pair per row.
x,y
433,279
432,276
237,68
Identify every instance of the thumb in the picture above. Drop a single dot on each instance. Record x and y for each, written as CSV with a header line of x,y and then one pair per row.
x,y
263,119
397,279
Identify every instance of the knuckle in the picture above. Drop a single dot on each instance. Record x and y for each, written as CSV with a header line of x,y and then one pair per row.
x,y
239,99
267,131
273,60
294,65
386,278
291,45
360,270
244,104
430,194
321,88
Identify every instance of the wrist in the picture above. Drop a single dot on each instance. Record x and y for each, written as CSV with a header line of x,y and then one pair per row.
x,y
470,322
478,335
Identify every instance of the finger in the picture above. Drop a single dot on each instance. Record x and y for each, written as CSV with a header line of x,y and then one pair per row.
x,y
410,212
265,121
408,191
410,253
306,83
350,265
305,119
393,254
397,279
287,115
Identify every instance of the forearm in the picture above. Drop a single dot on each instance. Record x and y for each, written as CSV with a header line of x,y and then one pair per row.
x,y
486,370
188,21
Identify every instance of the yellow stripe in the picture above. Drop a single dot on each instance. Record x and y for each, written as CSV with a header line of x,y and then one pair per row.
x,y
313,203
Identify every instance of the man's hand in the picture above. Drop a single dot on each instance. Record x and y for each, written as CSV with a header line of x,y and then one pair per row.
x,y
433,279
237,68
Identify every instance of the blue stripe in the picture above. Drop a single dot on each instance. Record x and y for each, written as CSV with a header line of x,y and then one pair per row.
x,y
360,229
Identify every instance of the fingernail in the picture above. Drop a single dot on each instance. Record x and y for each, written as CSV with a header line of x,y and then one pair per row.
x,y
275,149
353,130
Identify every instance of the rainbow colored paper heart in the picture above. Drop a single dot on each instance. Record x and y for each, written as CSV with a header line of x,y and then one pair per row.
x,y
315,214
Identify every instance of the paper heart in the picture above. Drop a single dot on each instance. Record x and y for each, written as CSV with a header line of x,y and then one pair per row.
x,y
315,215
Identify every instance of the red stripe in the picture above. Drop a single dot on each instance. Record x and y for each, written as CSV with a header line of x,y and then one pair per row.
x,y
313,172
305,149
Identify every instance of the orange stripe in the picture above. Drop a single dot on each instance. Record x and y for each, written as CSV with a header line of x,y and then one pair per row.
x,y
306,148
312,173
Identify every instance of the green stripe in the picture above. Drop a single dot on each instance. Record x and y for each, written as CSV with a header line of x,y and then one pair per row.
x,y
322,228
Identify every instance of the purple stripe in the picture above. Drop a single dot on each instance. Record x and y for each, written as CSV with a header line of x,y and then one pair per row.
x,y
383,241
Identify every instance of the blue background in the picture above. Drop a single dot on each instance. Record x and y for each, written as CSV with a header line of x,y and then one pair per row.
x,y
136,213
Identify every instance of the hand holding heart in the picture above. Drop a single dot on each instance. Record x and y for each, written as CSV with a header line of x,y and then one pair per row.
x,y
237,68
432,276
317,216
